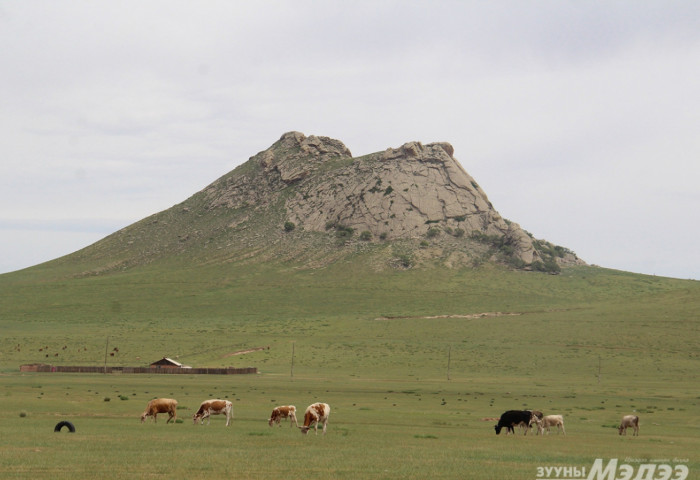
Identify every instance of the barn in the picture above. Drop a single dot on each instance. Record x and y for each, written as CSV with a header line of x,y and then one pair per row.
x,y
166,362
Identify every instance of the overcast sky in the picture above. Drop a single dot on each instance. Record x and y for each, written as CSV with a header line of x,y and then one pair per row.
x,y
579,119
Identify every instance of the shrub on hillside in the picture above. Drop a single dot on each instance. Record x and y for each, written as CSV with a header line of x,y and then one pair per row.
x,y
548,266
404,261
341,231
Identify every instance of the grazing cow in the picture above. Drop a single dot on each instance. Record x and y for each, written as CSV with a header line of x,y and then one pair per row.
x,y
536,418
286,411
629,421
550,421
213,407
315,413
512,418
160,405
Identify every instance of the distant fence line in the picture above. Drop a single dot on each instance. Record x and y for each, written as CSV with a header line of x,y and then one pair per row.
x,y
171,371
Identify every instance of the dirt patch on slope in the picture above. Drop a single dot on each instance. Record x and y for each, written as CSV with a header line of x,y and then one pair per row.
x,y
242,352
468,316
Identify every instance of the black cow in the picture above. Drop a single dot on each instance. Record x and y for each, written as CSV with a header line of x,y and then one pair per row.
x,y
511,418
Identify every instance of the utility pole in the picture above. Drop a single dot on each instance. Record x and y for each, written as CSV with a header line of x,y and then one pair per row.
x,y
449,355
106,348
292,372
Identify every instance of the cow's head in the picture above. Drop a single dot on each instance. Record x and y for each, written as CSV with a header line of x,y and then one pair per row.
x,y
271,421
143,416
498,429
304,430
620,429
195,417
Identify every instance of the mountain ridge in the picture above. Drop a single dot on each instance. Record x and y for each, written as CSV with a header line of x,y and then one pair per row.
x,y
307,199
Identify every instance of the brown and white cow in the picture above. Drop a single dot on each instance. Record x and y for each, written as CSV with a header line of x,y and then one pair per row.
x,y
160,405
213,407
315,413
283,411
629,421
536,418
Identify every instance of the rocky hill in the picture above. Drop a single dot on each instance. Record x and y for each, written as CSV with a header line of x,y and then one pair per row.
x,y
308,200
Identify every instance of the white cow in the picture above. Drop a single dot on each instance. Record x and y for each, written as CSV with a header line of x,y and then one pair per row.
x,y
629,421
213,407
550,421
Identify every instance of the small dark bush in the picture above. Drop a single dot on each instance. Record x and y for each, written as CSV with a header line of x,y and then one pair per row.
x,y
341,231
404,261
289,226
433,232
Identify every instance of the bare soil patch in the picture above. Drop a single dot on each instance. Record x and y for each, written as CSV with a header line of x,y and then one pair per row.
x,y
471,315
242,352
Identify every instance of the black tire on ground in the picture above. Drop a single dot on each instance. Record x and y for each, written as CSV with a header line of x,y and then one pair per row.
x,y
62,424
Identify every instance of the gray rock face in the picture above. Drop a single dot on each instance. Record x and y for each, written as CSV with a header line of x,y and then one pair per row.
x,y
403,192
400,193
295,155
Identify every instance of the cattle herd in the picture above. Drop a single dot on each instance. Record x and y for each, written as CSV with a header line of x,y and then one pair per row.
x,y
318,413
527,418
315,413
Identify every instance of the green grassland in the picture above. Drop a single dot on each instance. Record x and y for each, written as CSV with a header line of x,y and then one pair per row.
x,y
408,366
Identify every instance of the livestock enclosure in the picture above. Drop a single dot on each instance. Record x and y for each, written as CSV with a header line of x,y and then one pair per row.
x,y
144,370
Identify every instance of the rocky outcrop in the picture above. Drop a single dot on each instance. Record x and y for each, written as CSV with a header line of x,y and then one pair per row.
x,y
415,191
295,156
404,192
400,193
308,201
288,161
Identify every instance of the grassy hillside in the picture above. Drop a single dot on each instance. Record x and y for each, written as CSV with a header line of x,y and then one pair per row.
x,y
408,365
351,318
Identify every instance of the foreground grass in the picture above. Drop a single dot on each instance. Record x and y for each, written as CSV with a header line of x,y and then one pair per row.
x,y
409,374
378,428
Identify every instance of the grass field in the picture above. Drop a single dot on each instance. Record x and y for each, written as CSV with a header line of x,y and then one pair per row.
x,y
379,428
409,368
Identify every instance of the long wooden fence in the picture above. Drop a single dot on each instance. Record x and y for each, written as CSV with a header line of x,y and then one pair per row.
x,y
165,371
